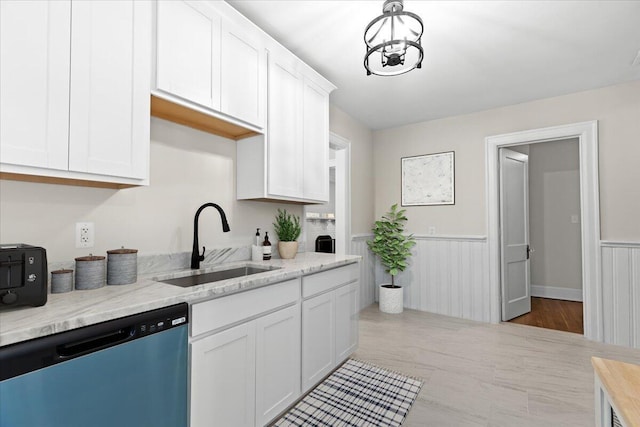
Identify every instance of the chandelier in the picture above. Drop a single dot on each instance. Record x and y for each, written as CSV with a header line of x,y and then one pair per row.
x,y
393,41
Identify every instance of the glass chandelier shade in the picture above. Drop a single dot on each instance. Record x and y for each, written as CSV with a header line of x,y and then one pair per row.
x,y
393,41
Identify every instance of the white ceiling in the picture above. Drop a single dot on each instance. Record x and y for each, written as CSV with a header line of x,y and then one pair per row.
x,y
478,54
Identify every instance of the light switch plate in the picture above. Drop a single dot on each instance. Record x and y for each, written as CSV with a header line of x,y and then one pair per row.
x,y
574,219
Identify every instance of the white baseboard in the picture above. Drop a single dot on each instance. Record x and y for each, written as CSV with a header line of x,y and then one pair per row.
x,y
555,292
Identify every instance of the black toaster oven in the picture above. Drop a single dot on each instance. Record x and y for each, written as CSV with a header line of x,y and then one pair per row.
x,y
23,275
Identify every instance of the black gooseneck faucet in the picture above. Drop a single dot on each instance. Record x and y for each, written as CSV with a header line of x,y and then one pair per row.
x,y
195,255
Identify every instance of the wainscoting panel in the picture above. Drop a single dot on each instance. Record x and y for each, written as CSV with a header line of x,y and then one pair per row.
x,y
446,275
367,268
621,293
450,276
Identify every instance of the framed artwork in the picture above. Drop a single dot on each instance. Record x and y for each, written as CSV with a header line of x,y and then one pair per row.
x,y
428,180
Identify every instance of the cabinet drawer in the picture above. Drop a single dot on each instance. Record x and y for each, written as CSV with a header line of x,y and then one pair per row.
x,y
327,280
218,313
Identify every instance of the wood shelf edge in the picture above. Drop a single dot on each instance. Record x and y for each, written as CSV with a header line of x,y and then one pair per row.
x,y
173,112
63,181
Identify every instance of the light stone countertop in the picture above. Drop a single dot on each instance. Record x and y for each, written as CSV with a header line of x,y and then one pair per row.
x,y
81,308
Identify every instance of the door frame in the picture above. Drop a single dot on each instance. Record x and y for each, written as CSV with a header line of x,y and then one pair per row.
x,y
342,147
587,134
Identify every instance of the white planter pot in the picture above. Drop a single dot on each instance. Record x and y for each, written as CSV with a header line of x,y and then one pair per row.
x,y
390,299
288,250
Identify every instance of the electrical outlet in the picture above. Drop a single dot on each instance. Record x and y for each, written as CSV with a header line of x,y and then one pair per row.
x,y
84,235
432,230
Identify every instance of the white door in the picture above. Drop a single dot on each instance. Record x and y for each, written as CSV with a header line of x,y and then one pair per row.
x,y
318,338
347,311
277,362
223,378
514,225
34,83
110,77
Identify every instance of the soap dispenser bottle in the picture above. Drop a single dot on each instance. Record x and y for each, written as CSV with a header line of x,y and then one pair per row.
x,y
266,247
256,249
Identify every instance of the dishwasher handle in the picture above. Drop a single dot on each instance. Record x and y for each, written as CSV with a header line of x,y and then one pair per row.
x,y
95,343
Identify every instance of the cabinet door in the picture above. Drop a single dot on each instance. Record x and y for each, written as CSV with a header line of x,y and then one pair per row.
x,y
223,378
188,51
244,63
347,309
109,102
318,339
277,362
34,83
284,138
316,142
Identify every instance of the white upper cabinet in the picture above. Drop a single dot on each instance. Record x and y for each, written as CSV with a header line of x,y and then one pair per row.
x,y
290,162
34,83
211,59
285,147
244,77
110,69
315,112
75,90
188,51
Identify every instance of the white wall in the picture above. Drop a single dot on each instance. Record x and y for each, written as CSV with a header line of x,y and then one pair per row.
x,y
362,179
188,168
438,278
617,109
554,197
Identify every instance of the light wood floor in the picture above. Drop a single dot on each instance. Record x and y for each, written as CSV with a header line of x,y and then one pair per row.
x,y
553,314
479,374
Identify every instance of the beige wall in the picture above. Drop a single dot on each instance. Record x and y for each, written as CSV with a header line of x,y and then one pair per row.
x,y
554,196
617,108
362,180
188,168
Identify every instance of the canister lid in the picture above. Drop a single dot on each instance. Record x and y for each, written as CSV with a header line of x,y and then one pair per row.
x,y
90,258
64,271
122,251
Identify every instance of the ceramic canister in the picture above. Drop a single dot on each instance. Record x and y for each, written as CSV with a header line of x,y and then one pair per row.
x,y
90,272
122,266
61,281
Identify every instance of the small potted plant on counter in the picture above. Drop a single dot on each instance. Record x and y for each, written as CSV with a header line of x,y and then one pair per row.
x,y
394,248
287,228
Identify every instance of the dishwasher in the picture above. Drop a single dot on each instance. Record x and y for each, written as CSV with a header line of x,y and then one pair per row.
x,y
127,372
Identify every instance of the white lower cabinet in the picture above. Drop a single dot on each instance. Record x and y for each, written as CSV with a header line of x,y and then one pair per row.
x,y
254,353
318,338
347,316
246,374
277,362
223,378
329,321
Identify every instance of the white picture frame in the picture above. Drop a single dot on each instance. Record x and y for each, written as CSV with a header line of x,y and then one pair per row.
x,y
428,180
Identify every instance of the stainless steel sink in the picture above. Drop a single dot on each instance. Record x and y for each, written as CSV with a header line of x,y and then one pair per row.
x,y
215,276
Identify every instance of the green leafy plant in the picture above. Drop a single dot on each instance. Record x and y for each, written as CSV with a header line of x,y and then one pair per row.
x,y
287,226
390,244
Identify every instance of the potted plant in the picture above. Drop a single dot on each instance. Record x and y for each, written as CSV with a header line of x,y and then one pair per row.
x,y
394,248
287,228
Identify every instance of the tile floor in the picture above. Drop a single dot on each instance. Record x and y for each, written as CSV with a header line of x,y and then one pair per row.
x,y
479,374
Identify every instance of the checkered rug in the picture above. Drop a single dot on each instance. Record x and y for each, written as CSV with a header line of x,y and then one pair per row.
x,y
356,394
